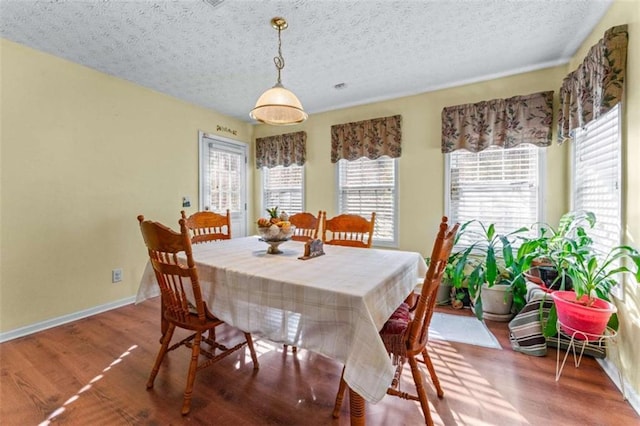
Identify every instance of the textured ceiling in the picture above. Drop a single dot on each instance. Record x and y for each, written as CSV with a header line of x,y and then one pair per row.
x,y
221,57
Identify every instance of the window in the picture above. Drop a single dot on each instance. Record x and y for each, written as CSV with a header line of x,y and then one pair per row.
x,y
366,186
283,187
497,185
597,177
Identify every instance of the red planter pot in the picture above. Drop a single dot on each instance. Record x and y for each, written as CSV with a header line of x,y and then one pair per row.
x,y
589,322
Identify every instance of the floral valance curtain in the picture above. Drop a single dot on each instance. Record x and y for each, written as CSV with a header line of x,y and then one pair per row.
x,y
499,122
281,150
596,85
369,138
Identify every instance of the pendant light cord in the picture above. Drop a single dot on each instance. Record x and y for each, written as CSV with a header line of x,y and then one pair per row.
x,y
279,60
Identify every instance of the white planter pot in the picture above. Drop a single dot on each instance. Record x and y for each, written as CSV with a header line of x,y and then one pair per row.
x,y
496,302
443,297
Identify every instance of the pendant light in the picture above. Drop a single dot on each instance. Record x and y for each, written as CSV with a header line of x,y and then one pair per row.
x,y
278,106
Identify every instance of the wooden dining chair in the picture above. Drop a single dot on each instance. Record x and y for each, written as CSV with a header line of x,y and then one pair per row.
x,y
307,226
208,226
182,304
348,230
405,334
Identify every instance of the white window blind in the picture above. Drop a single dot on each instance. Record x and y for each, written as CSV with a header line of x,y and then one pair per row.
x,y
366,186
597,177
224,186
282,187
497,185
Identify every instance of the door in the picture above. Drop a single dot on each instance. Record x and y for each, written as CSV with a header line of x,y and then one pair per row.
x,y
223,179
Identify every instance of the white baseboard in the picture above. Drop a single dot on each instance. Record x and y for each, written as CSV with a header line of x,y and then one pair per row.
x,y
54,322
612,371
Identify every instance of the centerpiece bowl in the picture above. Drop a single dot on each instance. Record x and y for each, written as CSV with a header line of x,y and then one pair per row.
x,y
275,235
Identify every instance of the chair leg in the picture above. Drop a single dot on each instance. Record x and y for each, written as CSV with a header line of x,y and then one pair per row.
x,y
432,372
356,409
252,350
340,396
166,339
422,394
193,367
294,349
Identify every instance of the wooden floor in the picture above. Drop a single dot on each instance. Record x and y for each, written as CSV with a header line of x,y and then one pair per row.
x,y
93,372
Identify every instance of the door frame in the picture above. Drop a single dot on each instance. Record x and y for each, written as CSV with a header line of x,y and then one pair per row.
x,y
203,140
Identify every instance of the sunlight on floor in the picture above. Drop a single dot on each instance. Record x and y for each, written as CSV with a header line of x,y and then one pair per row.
x,y
262,346
462,382
86,387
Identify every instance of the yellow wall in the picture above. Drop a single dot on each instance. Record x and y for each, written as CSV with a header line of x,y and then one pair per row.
x,y
84,153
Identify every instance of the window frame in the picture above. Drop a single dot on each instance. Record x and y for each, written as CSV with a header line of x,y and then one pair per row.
x,y
394,243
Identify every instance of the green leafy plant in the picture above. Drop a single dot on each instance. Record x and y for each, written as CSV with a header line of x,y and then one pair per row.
x,y
595,276
570,250
455,271
453,275
554,246
516,279
490,257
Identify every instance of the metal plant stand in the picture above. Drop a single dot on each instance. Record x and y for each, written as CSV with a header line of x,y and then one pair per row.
x,y
580,339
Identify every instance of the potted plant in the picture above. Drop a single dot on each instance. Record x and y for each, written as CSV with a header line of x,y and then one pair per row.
x,y
453,286
516,279
544,258
588,309
443,295
491,280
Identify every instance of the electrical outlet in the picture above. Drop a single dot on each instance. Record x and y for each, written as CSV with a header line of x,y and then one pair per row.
x,y
186,202
116,275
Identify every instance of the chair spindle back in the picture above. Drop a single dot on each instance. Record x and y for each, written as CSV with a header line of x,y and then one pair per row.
x,y
348,230
307,226
208,226
419,327
176,275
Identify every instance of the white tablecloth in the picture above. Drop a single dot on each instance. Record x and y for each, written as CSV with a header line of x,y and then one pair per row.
x,y
334,304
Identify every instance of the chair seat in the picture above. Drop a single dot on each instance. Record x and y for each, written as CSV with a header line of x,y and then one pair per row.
x,y
393,333
398,322
192,322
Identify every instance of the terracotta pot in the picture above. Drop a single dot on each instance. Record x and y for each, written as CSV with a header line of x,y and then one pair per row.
x,y
586,322
545,274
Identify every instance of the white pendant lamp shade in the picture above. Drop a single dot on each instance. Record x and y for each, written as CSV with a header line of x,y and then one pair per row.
x,y
279,107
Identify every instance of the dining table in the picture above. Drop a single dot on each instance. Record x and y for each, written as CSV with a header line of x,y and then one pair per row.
x,y
333,304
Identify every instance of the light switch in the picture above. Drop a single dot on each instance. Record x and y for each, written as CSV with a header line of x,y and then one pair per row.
x,y
116,275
